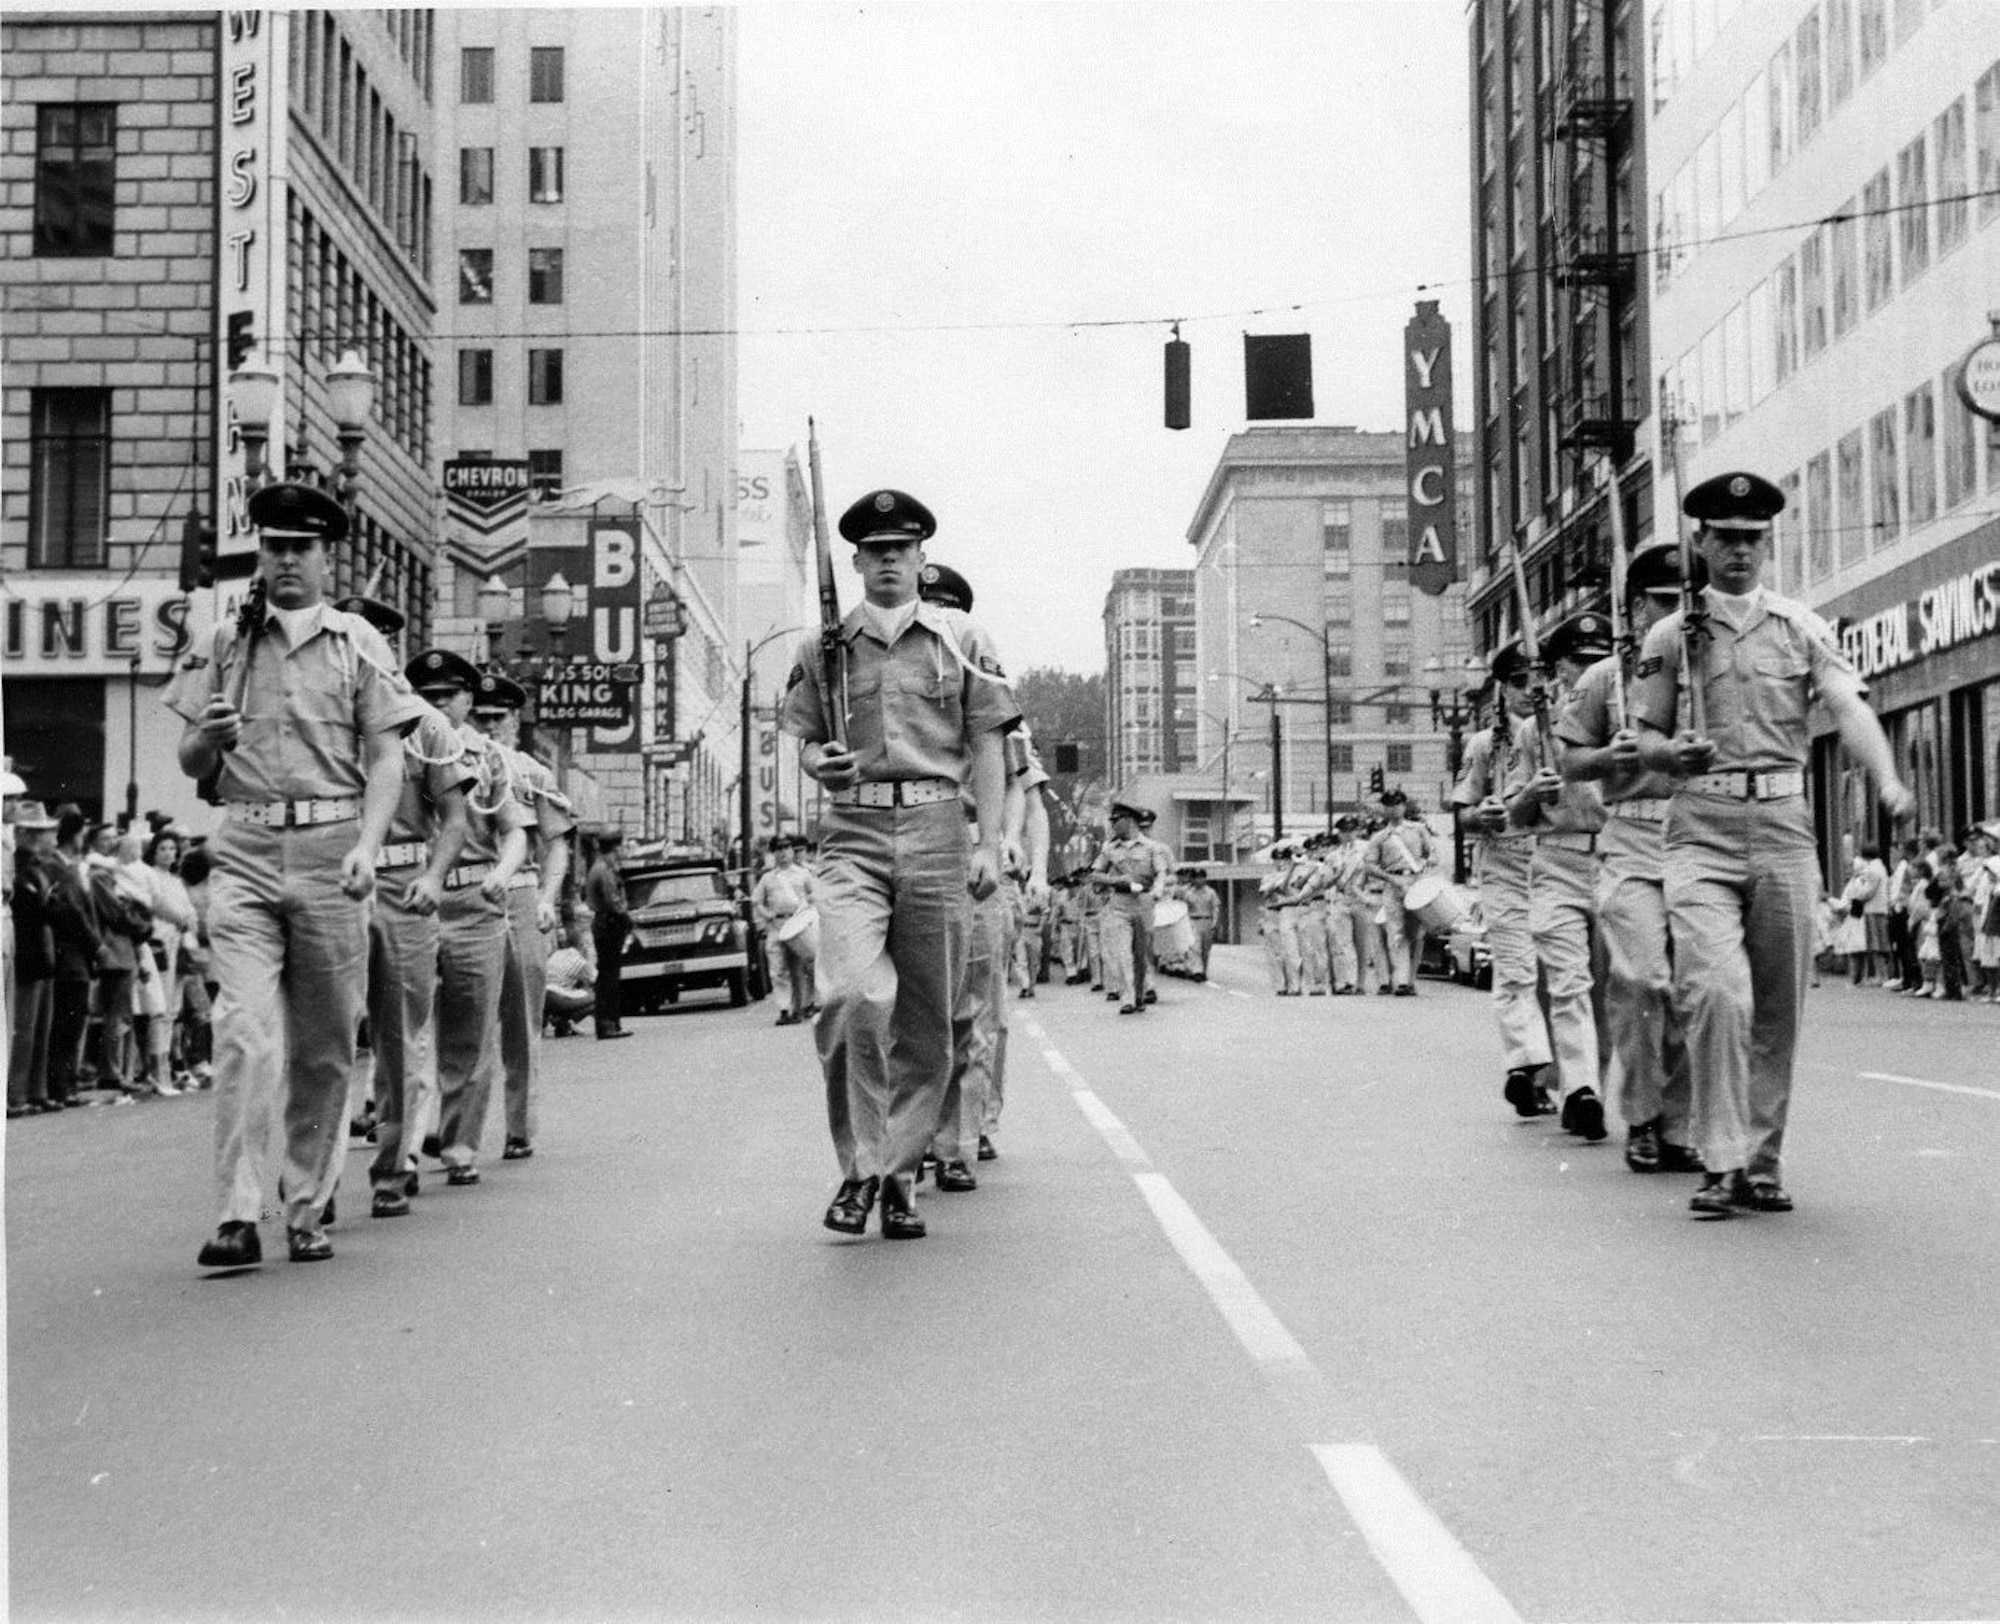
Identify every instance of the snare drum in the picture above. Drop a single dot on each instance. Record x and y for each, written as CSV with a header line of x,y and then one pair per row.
x,y
1430,898
796,926
1173,933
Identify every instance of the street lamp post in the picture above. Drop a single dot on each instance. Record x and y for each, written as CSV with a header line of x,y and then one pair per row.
x,y
1325,635
1272,694
496,608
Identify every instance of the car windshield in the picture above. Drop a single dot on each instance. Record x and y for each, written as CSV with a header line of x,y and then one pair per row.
x,y
662,890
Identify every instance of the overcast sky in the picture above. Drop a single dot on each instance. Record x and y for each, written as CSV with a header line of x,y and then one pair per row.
x,y
907,168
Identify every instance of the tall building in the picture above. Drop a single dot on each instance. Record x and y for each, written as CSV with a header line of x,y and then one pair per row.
x,y
1560,361
185,192
586,249
1150,684
1827,183
1313,646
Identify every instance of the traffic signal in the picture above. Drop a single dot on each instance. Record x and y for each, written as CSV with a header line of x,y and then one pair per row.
x,y
1277,376
1069,758
1376,783
1179,360
197,551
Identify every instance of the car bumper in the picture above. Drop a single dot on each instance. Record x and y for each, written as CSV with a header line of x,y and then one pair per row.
x,y
681,969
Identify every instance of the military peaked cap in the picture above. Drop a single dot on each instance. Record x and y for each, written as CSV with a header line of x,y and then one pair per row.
x,y
1125,809
887,516
498,692
1734,502
440,668
297,510
1581,637
1656,567
941,584
385,618
1508,660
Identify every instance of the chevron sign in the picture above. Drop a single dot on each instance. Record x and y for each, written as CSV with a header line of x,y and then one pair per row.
x,y
486,500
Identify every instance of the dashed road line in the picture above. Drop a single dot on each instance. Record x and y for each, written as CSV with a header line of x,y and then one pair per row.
x,y
1925,1082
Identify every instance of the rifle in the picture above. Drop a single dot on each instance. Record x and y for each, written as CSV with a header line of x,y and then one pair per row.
x,y
249,627
1531,652
830,665
1694,617
1621,634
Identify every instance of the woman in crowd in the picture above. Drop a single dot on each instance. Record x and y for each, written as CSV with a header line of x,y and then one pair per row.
x,y
157,996
192,1005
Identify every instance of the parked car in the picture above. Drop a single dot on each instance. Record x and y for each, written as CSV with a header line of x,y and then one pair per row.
x,y
691,929
1460,953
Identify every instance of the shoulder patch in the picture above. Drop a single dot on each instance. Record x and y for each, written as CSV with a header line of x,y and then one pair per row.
x,y
194,662
1648,666
991,667
798,676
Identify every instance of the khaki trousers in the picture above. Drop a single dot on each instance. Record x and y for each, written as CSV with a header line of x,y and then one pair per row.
x,y
1562,892
1128,941
1503,904
524,980
1648,1070
472,958
402,998
1291,952
979,1029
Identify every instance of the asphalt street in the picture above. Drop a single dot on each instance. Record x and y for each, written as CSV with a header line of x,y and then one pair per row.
x,y
1269,1310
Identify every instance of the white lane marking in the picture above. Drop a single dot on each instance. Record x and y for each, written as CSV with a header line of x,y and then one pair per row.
x,y
1263,1336
1236,992
1436,1574
1925,1082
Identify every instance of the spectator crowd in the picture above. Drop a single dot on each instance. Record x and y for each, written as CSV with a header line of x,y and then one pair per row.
x,y
1926,927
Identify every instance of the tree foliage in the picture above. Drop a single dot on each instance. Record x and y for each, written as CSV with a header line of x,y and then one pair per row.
x,y
1065,708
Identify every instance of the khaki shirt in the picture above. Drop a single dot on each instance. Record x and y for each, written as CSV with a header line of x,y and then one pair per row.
x,y
781,893
1759,683
912,709
306,709
1494,766
1203,904
434,764
1140,858
1403,849
1588,721
493,811
548,809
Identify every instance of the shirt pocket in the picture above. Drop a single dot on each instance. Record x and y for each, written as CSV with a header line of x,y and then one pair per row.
x,y
1786,664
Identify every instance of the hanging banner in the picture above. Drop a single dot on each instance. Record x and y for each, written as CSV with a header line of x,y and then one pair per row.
x,y
1433,483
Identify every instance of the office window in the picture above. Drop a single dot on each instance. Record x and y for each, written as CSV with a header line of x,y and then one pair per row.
x,y
1756,137
1395,527
1986,127
1396,714
545,377
475,74
1729,157
1839,52
1806,76
1338,603
1396,604
1887,517
545,174
1878,251
545,276
75,174
1336,522
1850,474
1913,222
1791,531
1785,323
69,477
1962,434
1812,292
1342,759
1736,364
1340,662
475,174
1846,251
1778,102
1872,16
1954,216
1340,713
1819,517
1395,657
475,276
1758,320
545,73
545,472
1399,758
475,377
1920,453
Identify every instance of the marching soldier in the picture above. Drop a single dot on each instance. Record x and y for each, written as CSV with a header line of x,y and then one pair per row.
x,y
783,891
1343,916
1270,889
1742,870
1649,1074
472,924
920,709
1315,961
297,718
1204,909
1494,771
534,905
1090,912
1131,873
1399,853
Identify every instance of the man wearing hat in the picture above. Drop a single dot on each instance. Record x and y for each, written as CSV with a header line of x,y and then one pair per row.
x,y
418,852
1742,868
473,925
783,891
1305,914
1130,873
1270,889
298,722
1563,819
916,709
610,924
31,1003
534,901
1204,913
1399,853
1648,1075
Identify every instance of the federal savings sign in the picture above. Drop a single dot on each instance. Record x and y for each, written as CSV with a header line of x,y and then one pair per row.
x,y
1957,611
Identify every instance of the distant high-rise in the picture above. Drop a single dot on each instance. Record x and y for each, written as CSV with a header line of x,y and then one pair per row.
x,y
1150,684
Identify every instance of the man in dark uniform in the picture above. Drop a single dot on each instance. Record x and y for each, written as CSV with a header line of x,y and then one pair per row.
x,y
918,709
300,721
610,924
1742,868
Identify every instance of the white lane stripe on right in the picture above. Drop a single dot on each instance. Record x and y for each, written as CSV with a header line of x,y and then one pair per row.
x,y
1925,1082
1436,1575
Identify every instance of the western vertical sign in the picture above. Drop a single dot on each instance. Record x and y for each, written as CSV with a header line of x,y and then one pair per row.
x,y
1432,479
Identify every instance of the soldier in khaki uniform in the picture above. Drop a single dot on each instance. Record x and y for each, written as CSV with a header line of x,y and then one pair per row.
x,y
1648,1074
1131,873
1742,870
784,890
918,709
534,902
1495,770
299,718
1398,853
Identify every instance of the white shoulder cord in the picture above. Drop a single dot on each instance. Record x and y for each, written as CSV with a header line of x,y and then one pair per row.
x,y
503,779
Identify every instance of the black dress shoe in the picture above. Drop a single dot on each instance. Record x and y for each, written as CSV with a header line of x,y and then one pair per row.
x,y
235,1246
433,1146
1151,996
957,1177
849,1212
1406,992
461,1175
609,1032
1680,1158
309,1245
1583,1115
1765,1195
1128,1009
516,1150
986,1151
899,1212
1519,1090
389,1203
786,1018
1722,1195
1642,1148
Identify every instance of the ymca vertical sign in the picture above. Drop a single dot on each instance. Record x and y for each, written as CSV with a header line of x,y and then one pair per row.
x,y
1433,486
250,257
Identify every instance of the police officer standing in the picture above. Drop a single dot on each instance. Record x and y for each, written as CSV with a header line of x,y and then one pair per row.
x,y
610,923
298,718
1742,870
1130,873
917,708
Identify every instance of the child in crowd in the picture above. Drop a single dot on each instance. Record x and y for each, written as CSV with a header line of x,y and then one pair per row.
x,y
1924,926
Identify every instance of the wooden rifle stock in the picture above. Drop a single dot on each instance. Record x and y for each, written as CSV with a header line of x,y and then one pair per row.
x,y
1621,633
1694,618
249,627
829,603
1531,651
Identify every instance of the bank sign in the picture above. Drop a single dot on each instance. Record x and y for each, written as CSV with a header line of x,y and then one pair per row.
x,y
1955,611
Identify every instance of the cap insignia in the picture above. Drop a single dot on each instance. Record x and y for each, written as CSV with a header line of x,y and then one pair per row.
x,y
1739,486
884,502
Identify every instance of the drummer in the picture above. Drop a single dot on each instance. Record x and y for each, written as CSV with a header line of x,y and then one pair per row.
x,y
783,904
